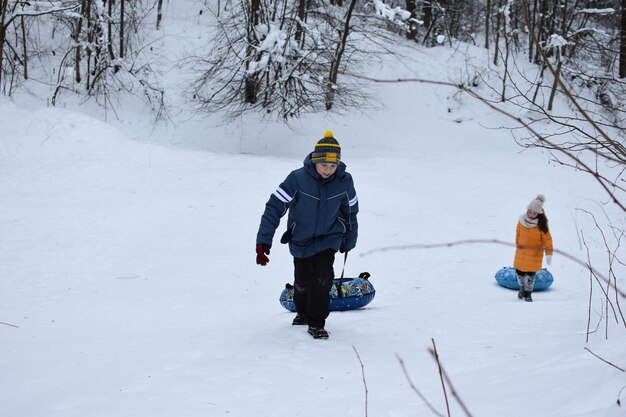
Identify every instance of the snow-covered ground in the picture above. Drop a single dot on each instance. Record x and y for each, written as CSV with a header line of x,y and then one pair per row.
x,y
128,285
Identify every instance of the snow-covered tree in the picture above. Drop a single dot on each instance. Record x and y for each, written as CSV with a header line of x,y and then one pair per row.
x,y
278,57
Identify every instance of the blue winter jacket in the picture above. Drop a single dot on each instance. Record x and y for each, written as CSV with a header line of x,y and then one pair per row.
x,y
322,212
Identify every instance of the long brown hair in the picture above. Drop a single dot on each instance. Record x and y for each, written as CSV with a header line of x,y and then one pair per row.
x,y
542,222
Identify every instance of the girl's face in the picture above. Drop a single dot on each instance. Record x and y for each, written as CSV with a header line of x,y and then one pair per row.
x,y
532,214
326,170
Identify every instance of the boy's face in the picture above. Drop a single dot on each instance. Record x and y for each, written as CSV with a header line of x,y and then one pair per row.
x,y
326,170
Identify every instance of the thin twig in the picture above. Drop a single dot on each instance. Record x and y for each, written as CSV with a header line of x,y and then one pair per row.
x,y
582,235
362,376
612,257
603,360
9,324
449,382
619,403
443,385
414,388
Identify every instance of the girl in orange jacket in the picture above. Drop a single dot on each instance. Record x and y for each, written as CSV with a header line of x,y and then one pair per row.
x,y
532,239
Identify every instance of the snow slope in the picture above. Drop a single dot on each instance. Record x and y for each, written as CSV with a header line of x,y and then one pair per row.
x,y
129,286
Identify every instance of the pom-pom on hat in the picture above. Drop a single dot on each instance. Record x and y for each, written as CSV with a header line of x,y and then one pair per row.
x,y
536,205
327,150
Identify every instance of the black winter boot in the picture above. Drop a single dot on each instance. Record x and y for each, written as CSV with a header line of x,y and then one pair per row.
x,y
318,332
527,296
520,294
299,320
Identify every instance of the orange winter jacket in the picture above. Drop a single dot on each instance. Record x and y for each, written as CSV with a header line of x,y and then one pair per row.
x,y
531,243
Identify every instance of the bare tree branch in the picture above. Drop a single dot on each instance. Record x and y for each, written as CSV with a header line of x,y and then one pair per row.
x,y
363,378
582,165
603,360
443,385
449,382
415,390
494,242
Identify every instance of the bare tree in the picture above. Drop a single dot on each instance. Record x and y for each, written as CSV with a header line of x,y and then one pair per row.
x,y
275,62
14,44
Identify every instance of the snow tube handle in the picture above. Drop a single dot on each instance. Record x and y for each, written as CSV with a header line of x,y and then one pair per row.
x,y
364,275
338,285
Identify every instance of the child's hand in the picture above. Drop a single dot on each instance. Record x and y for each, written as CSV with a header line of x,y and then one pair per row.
x,y
261,251
549,259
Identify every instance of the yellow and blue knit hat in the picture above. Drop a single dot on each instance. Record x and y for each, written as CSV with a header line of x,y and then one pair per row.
x,y
327,150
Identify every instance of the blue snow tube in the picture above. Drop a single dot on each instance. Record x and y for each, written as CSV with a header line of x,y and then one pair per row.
x,y
345,294
507,277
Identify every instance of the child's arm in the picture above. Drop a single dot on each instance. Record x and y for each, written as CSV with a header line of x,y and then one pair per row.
x,y
350,209
275,209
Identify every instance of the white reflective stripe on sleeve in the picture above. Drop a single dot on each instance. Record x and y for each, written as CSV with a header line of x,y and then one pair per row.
x,y
282,195
354,200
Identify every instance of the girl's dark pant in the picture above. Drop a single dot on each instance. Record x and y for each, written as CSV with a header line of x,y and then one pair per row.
x,y
313,280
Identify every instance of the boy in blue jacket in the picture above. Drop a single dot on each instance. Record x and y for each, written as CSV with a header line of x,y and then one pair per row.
x,y
323,206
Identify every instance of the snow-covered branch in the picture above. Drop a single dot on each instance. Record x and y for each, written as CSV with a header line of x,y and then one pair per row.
x,y
41,9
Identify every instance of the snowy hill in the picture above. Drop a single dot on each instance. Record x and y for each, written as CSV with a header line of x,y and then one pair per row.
x,y
129,286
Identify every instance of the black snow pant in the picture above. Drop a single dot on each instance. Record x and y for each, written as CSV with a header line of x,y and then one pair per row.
x,y
313,280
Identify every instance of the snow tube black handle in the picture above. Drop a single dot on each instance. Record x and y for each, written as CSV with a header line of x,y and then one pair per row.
x,y
339,284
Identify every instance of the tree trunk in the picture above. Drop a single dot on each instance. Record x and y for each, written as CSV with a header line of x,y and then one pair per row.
x,y
110,29
433,21
76,36
3,10
497,34
540,29
487,23
341,47
539,83
116,68
530,36
90,41
427,9
506,58
556,79
622,48
24,49
555,10
411,6
299,36
122,24
251,86
160,13
564,26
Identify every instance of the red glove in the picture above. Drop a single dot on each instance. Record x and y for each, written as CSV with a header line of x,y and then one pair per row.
x,y
261,251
